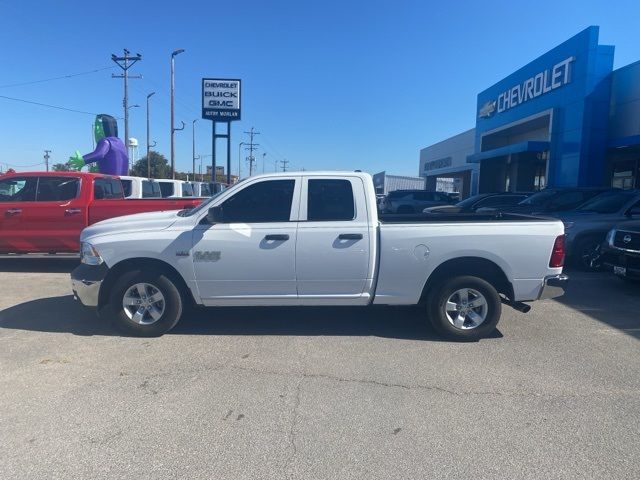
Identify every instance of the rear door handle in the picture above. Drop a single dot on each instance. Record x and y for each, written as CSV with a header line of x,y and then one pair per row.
x,y
350,236
72,211
280,237
13,211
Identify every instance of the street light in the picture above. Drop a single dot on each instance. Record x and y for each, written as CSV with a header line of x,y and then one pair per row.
x,y
148,144
239,148
193,155
173,129
263,155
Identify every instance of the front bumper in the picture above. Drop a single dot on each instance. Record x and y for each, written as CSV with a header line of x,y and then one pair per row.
x,y
554,286
624,264
86,281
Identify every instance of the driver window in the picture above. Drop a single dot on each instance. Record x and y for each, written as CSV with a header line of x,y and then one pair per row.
x,y
267,201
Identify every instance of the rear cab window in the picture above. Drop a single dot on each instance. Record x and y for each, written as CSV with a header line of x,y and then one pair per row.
x,y
57,189
330,200
107,189
187,190
126,187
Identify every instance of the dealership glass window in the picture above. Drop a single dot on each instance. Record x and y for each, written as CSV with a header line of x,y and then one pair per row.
x,y
267,201
625,174
107,189
18,189
330,199
57,189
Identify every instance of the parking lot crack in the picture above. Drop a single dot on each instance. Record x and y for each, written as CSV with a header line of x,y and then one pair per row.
x,y
294,423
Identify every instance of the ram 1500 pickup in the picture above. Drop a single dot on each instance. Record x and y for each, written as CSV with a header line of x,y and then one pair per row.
x,y
46,211
316,239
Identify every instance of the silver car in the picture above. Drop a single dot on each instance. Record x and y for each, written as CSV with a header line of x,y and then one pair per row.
x,y
414,201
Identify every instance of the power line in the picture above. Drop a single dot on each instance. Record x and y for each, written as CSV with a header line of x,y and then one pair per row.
x,y
50,106
252,146
71,75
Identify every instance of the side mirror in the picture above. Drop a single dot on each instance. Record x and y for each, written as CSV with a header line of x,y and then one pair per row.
x,y
215,215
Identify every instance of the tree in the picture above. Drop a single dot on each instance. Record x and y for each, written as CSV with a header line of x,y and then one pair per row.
x,y
60,167
159,166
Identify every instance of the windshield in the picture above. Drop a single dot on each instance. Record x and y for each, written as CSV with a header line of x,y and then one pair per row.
x,y
539,198
608,202
206,203
467,202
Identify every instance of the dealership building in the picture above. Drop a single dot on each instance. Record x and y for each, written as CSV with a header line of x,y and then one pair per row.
x,y
565,119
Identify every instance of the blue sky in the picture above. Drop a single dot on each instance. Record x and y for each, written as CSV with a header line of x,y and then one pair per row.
x,y
329,84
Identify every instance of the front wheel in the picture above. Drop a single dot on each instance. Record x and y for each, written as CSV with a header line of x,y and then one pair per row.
x,y
146,304
464,308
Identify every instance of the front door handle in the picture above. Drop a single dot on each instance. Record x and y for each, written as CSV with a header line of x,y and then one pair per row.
x,y
72,211
13,211
350,236
280,237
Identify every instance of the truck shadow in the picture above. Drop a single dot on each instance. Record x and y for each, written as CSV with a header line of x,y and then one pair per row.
x,y
64,315
605,298
39,263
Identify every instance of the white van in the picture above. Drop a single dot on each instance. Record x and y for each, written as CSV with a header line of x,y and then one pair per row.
x,y
175,188
201,189
139,187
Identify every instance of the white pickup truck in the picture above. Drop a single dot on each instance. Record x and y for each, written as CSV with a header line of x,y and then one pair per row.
x,y
316,239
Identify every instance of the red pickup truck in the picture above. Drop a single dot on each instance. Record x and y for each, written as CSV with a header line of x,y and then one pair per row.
x,y
46,211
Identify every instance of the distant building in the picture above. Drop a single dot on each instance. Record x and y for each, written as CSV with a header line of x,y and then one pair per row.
x,y
385,183
566,118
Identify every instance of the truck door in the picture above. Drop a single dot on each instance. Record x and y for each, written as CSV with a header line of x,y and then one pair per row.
x,y
333,247
17,195
248,256
59,215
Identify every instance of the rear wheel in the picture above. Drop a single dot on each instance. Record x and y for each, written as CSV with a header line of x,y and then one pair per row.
x,y
464,308
146,304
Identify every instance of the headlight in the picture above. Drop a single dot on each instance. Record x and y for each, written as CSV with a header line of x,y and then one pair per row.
x,y
610,236
568,225
89,255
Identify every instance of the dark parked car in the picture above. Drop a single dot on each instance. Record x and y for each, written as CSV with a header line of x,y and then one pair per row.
x,y
413,201
551,200
471,204
587,225
621,251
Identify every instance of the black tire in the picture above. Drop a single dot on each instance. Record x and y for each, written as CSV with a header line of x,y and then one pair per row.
x,y
585,253
405,209
436,308
171,302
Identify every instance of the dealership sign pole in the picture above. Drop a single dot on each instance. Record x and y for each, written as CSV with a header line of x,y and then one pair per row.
x,y
220,103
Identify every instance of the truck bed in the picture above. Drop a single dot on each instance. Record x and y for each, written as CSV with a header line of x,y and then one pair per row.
x,y
412,218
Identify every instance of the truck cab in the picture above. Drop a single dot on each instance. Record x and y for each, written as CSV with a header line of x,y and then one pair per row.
x,y
139,187
175,188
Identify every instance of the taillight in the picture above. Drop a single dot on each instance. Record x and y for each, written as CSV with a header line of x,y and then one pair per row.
x,y
558,253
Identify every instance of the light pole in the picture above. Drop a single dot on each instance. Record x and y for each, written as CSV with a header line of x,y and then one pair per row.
x,y
148,145
193,153
239,148
173,129
263,155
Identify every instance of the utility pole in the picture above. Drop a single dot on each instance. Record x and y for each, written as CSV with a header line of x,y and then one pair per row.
x,y
252,146
239,166
125,63
193,150
284,164
148,144
263,155
46,159
173,153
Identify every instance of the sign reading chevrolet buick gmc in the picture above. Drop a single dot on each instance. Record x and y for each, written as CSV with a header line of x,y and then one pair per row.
x,y
533,87
221,99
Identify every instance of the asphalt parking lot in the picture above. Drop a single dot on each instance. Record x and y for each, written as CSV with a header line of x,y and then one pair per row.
x,y
317,393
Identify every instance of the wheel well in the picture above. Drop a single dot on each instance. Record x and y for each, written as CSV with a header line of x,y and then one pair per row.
x,y
474,266
142,264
